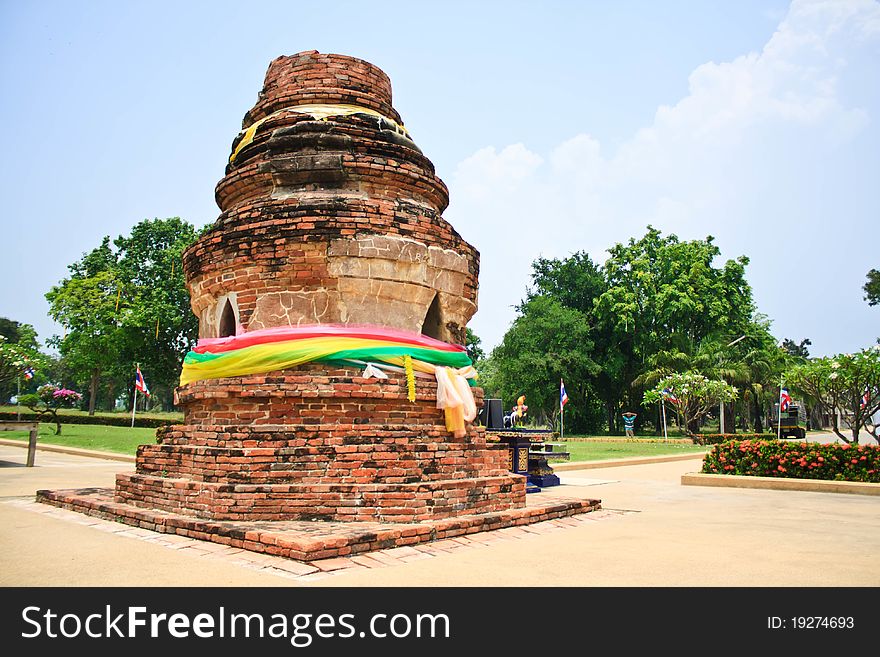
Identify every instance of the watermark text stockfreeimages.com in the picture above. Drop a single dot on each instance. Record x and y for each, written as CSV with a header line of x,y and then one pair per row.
x,y
300,629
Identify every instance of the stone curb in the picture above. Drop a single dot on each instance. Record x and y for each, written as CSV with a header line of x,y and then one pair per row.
x,y
108,456
776,483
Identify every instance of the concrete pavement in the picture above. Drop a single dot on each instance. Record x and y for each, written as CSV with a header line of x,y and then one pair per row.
x,y
652,531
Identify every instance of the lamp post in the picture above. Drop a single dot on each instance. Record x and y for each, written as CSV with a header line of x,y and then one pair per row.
x,y
721,403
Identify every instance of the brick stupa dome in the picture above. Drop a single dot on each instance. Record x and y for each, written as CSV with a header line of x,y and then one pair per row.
x,y
330,214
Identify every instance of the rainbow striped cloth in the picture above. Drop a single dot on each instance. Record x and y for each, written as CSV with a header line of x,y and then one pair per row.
x,y
267,350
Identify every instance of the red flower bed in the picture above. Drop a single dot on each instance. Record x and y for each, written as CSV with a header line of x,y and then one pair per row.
x,y
798,460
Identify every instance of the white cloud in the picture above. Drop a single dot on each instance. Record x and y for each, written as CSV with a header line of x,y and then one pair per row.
x,y
727,159
488,172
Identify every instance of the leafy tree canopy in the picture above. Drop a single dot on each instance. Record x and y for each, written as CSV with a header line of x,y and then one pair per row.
x,y
692,396
848,384
797,349
126,303
13,361
19,350
872,288
657,306
664,292
472,345
546,342
9,329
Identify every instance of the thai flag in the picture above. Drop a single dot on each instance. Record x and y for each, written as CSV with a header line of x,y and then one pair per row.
x,y
668,394
784,399
29,373
139,382
563,397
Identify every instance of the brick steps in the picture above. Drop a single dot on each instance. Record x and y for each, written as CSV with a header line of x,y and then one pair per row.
x,y
305,540
410,502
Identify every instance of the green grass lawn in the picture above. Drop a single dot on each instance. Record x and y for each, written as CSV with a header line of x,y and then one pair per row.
x,y
123,440
599,451
175,416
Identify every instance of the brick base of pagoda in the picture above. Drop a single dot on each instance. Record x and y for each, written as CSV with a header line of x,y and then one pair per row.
x,y
311,541
316,444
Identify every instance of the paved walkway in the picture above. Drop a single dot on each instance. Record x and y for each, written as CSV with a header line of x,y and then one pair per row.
x,y
652,531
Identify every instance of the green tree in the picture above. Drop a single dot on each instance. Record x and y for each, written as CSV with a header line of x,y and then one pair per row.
x,y
158,324
694,395
656,307
19,350
797,349
661,290
546,342
86,306
9,330
872,288
127,303
577,283
13,362
848,384
473,347
718,358
713,357
750,363
665,299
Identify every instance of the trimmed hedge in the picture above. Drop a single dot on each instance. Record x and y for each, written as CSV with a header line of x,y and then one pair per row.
x,y
797,460
716,438
121,421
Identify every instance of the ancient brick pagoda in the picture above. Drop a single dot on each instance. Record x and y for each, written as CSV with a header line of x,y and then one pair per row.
x,y
330,216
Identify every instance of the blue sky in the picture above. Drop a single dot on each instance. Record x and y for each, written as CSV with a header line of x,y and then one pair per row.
x,y
558,127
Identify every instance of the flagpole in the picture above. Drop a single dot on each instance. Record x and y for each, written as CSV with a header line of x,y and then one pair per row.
x,y
779,412
665,436
561,410
18,397
134,404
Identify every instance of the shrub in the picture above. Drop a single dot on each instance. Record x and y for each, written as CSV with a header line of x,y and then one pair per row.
x,y
798,460
715,438
48,400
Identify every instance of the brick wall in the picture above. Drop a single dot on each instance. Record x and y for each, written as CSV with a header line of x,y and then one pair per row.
x,y
326,502
318,442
